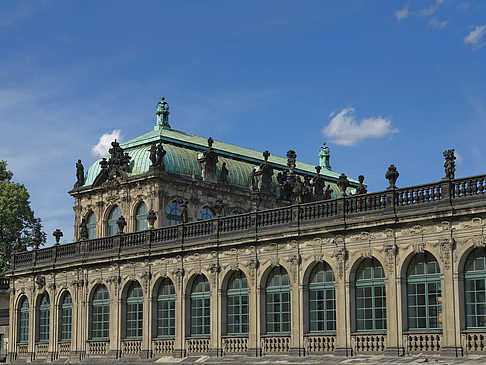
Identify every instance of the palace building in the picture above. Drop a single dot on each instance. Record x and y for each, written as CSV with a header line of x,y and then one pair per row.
x,y
186,246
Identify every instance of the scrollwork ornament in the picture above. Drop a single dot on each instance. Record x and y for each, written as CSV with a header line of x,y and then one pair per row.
x,y
294,261
252,266
446,247
214,268
340,254
179,274
418,247
479,241
390,249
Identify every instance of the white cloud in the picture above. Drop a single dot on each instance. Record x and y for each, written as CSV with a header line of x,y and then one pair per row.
x,y
344,129
104,144
403,13
475,37
463,6
431,9
458,157
434,23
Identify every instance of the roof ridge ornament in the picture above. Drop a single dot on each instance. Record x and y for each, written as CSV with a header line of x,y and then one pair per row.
x,y
162,113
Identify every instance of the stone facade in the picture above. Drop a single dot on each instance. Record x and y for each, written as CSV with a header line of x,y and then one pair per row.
x,y
442,222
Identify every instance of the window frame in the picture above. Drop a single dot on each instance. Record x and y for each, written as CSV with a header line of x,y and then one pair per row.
x,y
326,287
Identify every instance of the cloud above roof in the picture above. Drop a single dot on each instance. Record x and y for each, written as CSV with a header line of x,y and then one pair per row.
x,y
475,37
104,143
344,129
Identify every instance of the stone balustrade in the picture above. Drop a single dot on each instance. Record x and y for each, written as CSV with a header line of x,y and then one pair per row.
x,y
235,345
64,349
474,342
131,347
422,342
368,343
163,346
197,345
319,344
99,348
447,194
275,344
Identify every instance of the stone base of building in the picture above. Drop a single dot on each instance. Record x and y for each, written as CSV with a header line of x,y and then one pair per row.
x,y
296,351
254,352
179,353
343,351
451,351
215,352
114,354
394,351
146,354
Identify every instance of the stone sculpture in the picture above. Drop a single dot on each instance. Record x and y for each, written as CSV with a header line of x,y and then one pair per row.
x,y
392,176
449,164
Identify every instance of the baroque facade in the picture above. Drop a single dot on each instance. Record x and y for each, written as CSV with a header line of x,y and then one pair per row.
x,y
187,246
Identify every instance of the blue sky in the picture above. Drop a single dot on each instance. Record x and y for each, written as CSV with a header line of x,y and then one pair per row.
x,y
381,81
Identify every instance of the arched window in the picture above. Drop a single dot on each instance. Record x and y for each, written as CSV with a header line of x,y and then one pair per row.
x,y
236,212
205,214
134,311
65,317
322,299
100,314
475,289
278,302
200,307
237,304
91,225
24,321
112,227
370,296
166,309
173,214
423,292
141,217
44,316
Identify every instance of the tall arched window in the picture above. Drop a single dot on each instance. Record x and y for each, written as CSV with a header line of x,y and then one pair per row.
x,y
100,314
237,304
166,309
44,316
278,302
65,317
24,321
134,311
173,214
423,292
141,217
322,299
475,289
370,296
205,214
112,227
91,225
200,307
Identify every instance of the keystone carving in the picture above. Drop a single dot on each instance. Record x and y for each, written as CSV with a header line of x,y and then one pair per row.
x,y
40,281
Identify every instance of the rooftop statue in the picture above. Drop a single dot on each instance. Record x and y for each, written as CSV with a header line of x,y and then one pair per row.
x,y
79,174
209,160
449,164
318,185
361,188
324,157
162,113
265,174
117,167
223,177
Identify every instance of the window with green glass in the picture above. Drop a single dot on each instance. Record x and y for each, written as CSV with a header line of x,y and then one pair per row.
x,y
65,317
200,307
141,217
44,315
91,225
134,311
112,227
237,304
205,214
322,299
370,296
277,298
24,321
166,309
424,293
173,214
100,314
475,289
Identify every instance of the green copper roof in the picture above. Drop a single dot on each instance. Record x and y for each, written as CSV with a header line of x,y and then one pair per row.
x,y
182,158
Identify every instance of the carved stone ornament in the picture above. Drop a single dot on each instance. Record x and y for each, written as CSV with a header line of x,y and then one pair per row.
x,y
390,249
446,247
214,268
40,281
146,276
264,174
79,174
51,286
116,168
340,255
115,280
361,188
151,218
274,261
449,164
78,283
121,223
479,241
294,261
252,266
179,274
209,160
392,176
342,184
418,247
83,230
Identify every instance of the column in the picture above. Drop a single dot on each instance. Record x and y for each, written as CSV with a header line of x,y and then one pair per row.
x,y
180,318
148,321
343,320
254,318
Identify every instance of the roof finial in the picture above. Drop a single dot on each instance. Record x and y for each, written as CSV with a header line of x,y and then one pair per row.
x,y
162,113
